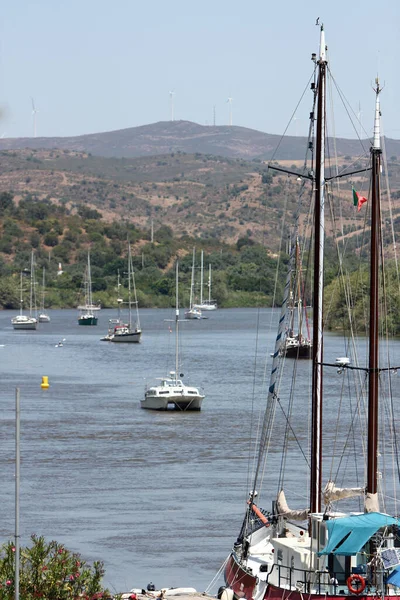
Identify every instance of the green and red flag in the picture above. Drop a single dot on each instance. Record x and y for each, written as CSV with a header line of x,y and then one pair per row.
x,y
358,200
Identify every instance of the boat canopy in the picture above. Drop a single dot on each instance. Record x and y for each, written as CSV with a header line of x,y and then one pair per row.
x,y
394,577
347,535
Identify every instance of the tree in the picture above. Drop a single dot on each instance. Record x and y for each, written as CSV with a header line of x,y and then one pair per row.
x,y
50,571
6,201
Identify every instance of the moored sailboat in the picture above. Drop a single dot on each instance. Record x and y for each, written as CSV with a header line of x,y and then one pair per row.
x,y
205,304
29,321
172,392
346,541
193,312
86,316
131,331
43,316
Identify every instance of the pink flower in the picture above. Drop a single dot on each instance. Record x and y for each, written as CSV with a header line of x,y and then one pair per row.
x,y
44,568
8,582
71,578
76,575
13,548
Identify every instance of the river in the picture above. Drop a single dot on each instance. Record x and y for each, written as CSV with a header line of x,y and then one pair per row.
x,y
157,496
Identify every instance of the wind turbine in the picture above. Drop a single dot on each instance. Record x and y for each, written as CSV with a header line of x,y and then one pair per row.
x,y
229,101
34,113
171,98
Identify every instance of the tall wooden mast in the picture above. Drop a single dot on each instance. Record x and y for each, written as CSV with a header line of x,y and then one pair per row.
x,y
373,373
319,227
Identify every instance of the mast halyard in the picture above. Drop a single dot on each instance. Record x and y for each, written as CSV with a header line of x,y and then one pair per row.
x,y
373,373
317,352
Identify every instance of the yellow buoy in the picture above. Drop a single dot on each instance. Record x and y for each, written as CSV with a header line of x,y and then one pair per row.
x,y
45,382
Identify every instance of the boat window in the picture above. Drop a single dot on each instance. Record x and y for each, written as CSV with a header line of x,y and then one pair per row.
x,y
166,392
322,535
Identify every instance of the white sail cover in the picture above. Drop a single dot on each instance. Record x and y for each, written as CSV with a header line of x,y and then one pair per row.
x,y
283,509
371,503
332,493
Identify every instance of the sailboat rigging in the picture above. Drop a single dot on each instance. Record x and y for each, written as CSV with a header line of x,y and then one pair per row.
x,y
127,332
30,321
205,304
194,312
86,316
43,316
325,551
172,392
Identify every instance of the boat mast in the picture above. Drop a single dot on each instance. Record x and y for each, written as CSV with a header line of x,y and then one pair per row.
x,y
89,284
32,284
129,284
176,323
201,277
373,373
192,281
317,352
209,283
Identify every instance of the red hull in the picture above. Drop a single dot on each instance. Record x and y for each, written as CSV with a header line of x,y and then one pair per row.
x,y
239,580
243,585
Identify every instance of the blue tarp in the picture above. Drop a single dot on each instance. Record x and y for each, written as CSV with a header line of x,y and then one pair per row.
x,y
348,535
394,577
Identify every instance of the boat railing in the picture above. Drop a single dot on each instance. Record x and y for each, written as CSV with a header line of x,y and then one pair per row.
x,y
318,582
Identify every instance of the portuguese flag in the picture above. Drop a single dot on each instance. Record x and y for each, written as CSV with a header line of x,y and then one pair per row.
x,y
358,200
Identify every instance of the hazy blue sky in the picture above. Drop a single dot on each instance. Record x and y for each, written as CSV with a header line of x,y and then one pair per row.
x,y
93,66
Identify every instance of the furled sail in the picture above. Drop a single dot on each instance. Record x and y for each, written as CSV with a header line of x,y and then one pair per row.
x,y
283,509
332,493
371,503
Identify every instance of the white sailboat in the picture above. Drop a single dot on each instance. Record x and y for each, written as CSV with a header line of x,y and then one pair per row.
x,y
193,312
205,304
86,316
22,321
342,540
172,392
43,316
130,332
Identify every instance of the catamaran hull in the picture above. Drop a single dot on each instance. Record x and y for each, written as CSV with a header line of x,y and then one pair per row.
x,y
172,402
25,326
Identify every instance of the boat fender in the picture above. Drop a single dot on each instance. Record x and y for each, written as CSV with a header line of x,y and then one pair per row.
x,y
227,594
356,584
220,591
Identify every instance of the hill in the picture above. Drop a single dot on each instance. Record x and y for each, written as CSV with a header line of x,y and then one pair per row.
x,y
185,136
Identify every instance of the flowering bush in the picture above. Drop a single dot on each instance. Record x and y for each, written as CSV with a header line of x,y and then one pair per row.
x,y
51,572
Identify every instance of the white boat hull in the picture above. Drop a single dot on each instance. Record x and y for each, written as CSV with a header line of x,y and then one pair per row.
x,y
23,322
43,318
172,394
206,306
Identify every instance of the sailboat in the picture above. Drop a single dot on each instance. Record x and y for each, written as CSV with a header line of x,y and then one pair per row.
x,y
193,312
205,304
344,540
86,316
129,332
172,392
29,321
296,344
43,316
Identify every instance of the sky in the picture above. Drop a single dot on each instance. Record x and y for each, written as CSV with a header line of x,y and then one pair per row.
x,y
94,65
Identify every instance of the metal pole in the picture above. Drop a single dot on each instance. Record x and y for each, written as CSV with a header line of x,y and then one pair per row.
x,y
17,478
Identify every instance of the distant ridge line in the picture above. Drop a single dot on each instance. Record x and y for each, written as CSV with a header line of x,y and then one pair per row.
x,y
165,137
